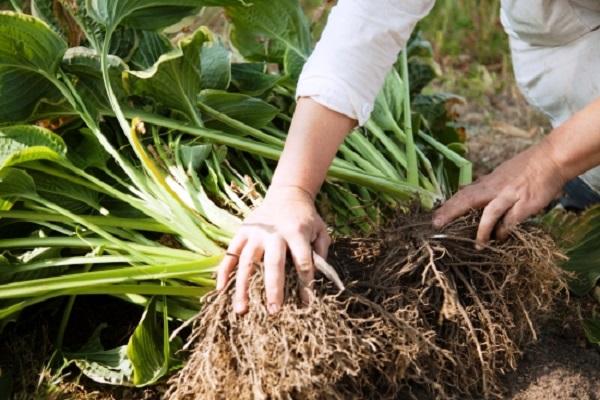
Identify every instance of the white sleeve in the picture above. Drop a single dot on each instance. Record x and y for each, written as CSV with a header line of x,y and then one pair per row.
x,y
358,47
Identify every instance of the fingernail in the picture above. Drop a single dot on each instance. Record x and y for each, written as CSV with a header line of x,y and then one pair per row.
x,y
273,308
478,246
437,222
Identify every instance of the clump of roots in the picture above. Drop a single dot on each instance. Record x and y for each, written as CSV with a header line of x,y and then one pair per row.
x,y
424,315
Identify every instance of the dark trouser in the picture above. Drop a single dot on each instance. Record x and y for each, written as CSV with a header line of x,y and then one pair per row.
x,y
578,195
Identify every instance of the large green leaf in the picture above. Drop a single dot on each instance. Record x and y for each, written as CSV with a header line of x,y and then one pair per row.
x,y
215,62
176,78
30,52
578,236
84,63
86,151
22,143
16,183
249,110
104,366
69,195
148,14
272,31
152,46
252,78
149,348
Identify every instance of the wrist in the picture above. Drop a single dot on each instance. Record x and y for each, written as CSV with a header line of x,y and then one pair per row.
x,y
278,189
560,162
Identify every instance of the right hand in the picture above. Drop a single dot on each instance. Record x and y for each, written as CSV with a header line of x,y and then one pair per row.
x,y
287,219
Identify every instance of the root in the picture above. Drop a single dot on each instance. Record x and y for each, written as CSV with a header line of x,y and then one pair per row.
x,y
424,315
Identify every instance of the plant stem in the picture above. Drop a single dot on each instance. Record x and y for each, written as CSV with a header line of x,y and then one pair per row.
x,y
411,154
148,225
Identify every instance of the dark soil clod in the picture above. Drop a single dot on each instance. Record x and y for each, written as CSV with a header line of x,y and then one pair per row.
x,y
424,315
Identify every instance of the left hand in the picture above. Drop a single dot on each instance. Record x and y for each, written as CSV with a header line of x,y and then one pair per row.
x,y
517,189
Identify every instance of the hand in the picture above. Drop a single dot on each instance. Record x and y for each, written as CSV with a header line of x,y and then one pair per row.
x,y
517,189
287,219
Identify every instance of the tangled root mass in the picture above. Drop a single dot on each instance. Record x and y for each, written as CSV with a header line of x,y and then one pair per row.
x,y
424,315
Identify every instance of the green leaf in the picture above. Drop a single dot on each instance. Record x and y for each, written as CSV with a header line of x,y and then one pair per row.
x,y
148,348
251,78
84,63
192,157
272,31
591,327
146,14
103,366
88,152
215,66
175,79
152,46
578,237
67,194
16,183
249,110
22,143
30,52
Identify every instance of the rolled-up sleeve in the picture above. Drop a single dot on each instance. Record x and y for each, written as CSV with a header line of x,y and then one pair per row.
x,y
358,47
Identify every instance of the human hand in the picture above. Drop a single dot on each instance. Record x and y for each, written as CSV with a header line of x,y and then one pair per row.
x,y
287,219
517,189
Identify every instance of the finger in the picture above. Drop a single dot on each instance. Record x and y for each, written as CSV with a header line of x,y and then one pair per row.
x,y
471,197
229,261
275,250
251,254
322,243
301,252
492,213
513,217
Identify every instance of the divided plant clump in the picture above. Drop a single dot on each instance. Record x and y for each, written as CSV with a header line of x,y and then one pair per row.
x,y
130,153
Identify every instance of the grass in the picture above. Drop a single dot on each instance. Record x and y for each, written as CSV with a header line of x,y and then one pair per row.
x,y
471,47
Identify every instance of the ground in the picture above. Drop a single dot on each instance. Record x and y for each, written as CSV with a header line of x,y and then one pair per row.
x,y
562,365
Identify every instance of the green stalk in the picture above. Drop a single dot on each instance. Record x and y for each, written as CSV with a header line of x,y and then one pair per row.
x,y
387,142
353,156
411,154
67,262
86,243
91,226
141,224
400,189
465,166
122,275
360,143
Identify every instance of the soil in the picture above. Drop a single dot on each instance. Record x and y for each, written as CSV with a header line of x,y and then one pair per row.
x,y
562,365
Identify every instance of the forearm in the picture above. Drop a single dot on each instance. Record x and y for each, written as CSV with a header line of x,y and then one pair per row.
x,y
575,145
314,137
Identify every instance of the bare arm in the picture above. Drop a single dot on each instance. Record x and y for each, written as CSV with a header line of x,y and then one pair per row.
x,y
287,219
525,184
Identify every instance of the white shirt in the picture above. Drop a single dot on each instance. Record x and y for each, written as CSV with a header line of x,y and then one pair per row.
x,y
555,47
